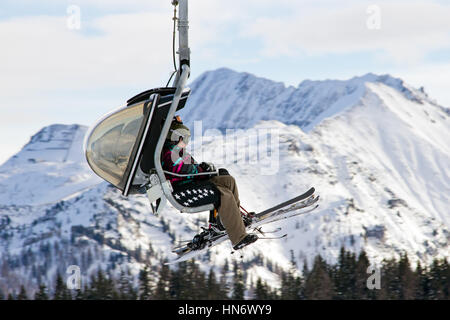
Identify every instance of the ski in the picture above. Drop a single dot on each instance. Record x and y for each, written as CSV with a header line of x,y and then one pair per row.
x,y
283,213
273,238
261,238
263,232
302,204
282,217
301,197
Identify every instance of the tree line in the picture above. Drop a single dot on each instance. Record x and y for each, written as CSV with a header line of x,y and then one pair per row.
x,y
347,279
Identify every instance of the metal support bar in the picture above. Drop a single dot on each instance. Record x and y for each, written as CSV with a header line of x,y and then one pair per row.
x,y
184,52
183,28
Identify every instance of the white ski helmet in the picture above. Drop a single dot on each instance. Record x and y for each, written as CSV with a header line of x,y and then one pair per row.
x,y
178,130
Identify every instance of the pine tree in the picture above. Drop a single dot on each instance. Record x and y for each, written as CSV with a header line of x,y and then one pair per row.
x,y
238,283
42,293
305,270
288,286
197,282
408,280
144,285
436,287
318,284
344,275
163,285
391,287
22,294
102,288
261,291
291,284
214,291
61,292
362,292
180,283
124,286
422,282
88,293
79,295
109,289
223,283
445,278
132,292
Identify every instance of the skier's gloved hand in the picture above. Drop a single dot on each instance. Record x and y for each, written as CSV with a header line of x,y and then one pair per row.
x,y
223,172
204,166
207,166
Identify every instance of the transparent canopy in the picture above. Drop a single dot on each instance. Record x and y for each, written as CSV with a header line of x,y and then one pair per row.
x,y
111,141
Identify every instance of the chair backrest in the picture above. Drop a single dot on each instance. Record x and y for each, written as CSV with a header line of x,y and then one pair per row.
x,y
156,118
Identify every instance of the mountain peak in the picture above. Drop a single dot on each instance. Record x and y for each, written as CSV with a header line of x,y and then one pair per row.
x,y
226,99
53,143
48,168
386,79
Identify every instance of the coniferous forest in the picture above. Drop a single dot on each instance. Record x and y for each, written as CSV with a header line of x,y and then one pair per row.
x,y
345,280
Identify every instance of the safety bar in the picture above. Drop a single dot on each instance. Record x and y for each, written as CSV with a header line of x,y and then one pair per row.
x,y
212,173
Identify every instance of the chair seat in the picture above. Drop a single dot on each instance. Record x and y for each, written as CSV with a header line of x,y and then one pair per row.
x,y
195,194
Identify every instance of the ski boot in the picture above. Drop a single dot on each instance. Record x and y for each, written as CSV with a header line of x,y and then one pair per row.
x,y
214,222
247,218
199,241
249,239
204,238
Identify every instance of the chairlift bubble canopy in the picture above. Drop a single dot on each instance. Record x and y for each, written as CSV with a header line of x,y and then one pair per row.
x,y
120,147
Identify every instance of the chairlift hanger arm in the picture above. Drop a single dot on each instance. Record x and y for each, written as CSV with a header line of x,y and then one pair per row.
x,y
184,52
183,28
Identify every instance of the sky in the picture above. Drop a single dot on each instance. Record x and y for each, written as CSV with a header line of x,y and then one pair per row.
x,y
72,61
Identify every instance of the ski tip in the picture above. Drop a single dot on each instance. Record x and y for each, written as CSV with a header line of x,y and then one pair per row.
x,y
173,261
170,262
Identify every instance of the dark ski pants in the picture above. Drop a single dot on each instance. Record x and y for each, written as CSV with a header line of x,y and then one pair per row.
x,y
229,210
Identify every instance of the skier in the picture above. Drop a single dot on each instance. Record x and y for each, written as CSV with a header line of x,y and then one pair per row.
x,y
176,159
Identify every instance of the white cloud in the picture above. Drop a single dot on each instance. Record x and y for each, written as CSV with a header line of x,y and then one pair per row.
x,y
109,50
43,53
407,31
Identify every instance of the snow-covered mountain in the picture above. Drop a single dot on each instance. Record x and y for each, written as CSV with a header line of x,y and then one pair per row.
x,y
374,147
227,99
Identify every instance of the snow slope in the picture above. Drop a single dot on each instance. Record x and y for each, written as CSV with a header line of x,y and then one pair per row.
x,y
373,147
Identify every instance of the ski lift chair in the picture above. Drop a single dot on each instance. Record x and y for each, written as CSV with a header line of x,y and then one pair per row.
x,y
125,146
